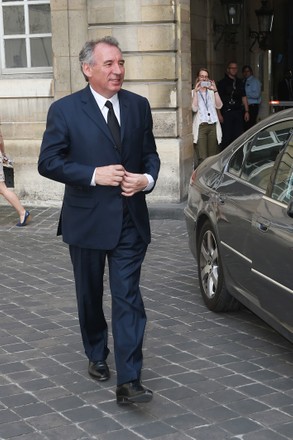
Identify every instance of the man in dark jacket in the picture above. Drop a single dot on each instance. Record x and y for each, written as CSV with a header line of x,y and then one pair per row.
x,y
235,105
99,143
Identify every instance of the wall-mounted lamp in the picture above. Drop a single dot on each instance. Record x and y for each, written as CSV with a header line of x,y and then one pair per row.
x,y
232,13
265,18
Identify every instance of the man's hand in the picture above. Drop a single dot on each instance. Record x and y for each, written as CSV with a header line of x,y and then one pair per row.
x,y
246,116
133,183
220,116
111,175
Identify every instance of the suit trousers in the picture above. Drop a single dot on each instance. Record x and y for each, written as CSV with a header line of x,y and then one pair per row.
x,y
253,113
128,313
232,127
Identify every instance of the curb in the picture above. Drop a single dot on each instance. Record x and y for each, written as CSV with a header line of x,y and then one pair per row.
x,y
170,211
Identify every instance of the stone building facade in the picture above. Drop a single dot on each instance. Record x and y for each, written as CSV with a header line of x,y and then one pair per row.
x,y
164,42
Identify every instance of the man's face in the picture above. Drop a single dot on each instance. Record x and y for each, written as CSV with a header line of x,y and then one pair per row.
x,y
232,70
246,73
107,74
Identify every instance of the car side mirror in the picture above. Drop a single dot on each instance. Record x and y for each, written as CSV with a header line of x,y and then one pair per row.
x,y
290,208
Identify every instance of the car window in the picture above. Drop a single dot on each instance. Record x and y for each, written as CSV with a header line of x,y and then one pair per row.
x,y
281,188
254,161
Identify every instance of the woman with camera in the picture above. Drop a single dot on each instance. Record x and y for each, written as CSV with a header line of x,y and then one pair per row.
x,y
206,128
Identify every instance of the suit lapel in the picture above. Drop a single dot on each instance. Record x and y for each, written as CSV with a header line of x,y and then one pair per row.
x,y
91,108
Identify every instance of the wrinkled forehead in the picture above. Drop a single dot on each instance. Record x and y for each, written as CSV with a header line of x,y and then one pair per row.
x,y
106,52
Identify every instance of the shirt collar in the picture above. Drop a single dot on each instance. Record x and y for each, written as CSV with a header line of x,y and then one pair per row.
x,y
101,100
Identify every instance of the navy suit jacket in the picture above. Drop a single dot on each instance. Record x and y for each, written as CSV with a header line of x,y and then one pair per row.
x,y
76,141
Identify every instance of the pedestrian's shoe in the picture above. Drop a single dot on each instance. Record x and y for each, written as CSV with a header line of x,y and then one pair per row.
x,y
26,219
99,370
133,392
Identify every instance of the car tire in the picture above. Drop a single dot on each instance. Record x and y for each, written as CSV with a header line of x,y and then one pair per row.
x,y
211,274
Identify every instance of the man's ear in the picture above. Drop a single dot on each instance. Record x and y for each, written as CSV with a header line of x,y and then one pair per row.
x,y
87,70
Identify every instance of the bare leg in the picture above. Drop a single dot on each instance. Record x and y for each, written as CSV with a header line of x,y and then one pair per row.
x,y
12,198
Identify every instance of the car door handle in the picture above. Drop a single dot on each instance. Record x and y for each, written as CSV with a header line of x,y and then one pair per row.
x,y
263,224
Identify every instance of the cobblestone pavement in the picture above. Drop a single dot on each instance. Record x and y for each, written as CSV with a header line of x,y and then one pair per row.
x,y
214,376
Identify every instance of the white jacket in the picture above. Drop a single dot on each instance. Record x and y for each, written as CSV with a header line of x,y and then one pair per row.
x,y
196,120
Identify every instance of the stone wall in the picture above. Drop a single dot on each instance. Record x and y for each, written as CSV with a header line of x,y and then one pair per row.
x,y
155,38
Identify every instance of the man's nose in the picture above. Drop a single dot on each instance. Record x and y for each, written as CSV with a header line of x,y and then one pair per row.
x,y
117,68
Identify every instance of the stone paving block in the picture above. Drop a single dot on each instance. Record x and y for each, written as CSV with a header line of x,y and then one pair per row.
x,y
154,430
9,390
264,375
47,394
31,436
162,383
271,417
68,432
209,433
47,421
226,396
7,416
240,425
37,384
100,426
161,408
185,422
263,434
82,414
248,406
207,386
257,389
277,400
66,403
124,434
18,400
218,413
33,410
178,393
234,380
15,429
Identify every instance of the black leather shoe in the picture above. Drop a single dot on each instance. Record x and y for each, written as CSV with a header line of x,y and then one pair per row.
x,y
99,370
133,392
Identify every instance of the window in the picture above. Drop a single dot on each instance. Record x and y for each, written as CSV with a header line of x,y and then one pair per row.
x,y
282,187
254,161
25,27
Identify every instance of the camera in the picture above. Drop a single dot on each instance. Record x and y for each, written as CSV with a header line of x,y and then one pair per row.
x,y
205,83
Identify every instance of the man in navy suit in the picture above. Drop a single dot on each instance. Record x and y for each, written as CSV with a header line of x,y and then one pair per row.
x,y
104,213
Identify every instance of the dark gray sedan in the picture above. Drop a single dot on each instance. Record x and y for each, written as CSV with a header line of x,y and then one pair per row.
x,y
239,218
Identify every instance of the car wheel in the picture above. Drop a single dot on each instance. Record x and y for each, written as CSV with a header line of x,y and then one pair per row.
x,y
211,275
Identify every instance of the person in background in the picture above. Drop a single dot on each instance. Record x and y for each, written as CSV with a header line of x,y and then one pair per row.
x,y
99,142
285,87
253,94
206,128
235,105
10,196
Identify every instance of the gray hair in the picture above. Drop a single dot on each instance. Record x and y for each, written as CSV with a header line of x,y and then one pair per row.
x,y
86,55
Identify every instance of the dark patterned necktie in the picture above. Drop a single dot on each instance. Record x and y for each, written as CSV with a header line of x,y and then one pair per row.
x,y
113,125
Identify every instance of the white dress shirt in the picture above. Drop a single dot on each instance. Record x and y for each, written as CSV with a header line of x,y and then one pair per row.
x,y
101,101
